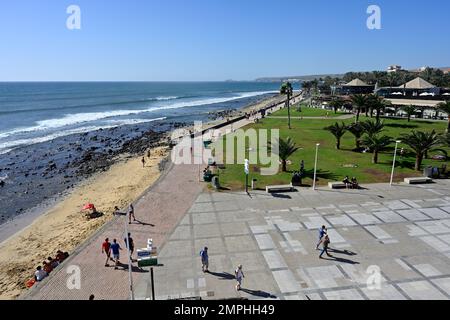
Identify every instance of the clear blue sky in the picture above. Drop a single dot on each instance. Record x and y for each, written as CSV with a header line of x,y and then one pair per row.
x,y
216,39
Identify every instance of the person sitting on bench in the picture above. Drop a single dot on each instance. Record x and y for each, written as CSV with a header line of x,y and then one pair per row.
x,y
347,182
355,184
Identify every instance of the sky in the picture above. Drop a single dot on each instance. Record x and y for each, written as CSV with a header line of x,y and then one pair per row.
x,y
214,40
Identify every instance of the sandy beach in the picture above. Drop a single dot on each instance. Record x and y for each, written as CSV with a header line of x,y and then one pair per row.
x,y
64,226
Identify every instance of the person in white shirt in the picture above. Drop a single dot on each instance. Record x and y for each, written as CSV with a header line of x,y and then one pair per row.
x,y
239,276
40,274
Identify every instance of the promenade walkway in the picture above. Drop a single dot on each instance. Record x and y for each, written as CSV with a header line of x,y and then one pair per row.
x,y
387,242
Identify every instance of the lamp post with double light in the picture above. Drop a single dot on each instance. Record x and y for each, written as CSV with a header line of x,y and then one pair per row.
x,y
393,162
315,166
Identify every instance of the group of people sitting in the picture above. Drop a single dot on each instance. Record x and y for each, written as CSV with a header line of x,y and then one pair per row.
x,y
297,178
207,174
351,184
47,267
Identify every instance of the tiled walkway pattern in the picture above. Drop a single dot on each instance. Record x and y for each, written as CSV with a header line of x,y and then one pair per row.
x,y
405,231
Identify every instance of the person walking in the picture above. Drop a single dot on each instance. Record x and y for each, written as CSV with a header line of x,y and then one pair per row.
x,y
106,249
325,243
115,248
322,232
129,241
239,277
205,259
149,153
143,162
131,213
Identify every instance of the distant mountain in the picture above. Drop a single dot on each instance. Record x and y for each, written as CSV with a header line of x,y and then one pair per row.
x,y
297,78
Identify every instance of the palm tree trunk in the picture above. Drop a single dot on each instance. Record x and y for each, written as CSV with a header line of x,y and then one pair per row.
x,y
378,115
375,157
448,125
338,143
357,143
289,110
371,112
409,117
419,158
357,115
283,165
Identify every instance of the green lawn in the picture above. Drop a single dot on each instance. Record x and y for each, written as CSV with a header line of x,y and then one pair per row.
x,y
306,112
332,164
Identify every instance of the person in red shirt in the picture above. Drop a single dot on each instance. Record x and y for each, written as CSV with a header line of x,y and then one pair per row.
x,y
106,249
47,267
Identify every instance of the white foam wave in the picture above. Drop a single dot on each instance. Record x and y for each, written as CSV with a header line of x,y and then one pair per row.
x,y
164,98
78,118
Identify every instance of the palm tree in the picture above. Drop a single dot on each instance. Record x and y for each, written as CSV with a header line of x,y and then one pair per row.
x,y
336,103
445,108
409,110
359,102
376,103
286,88
381,105
337,131
445,139
421,143
372,127
306,86
357,130
376,144
286,149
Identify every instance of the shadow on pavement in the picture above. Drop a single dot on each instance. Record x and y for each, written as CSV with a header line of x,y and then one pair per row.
x,y
223,275
347,252
144,223
259,293
343,260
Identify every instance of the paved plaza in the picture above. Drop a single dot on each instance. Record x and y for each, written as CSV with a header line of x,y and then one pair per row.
x,y
402,230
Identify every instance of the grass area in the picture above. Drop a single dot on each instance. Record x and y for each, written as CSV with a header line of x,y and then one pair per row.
x,y
307,112
333,165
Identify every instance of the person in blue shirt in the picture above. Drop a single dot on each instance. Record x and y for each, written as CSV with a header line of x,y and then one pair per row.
x,y
115,249
322,232
205,259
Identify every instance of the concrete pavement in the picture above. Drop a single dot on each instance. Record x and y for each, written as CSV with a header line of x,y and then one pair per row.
x,y
403,231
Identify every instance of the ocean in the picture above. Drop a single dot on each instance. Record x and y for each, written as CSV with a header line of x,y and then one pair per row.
x,y
32,113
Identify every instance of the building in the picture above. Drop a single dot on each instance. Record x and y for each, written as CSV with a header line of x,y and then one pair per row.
x,y
417,88
355,86
394,68
417,92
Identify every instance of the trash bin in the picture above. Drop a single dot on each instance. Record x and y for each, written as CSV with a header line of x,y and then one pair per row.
x,y
428,172
253,183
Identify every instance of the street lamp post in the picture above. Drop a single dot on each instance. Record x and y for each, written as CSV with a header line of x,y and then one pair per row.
x,y
130,276
393,162
246,170
315,166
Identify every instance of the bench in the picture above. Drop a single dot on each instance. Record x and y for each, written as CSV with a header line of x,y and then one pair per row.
x,y
418,180
280,188
336,185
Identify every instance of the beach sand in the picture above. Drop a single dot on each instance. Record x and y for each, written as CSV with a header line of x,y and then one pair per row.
x,y
64,226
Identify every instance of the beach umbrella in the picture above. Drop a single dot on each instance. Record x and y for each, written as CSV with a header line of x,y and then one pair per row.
x,y
88,206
